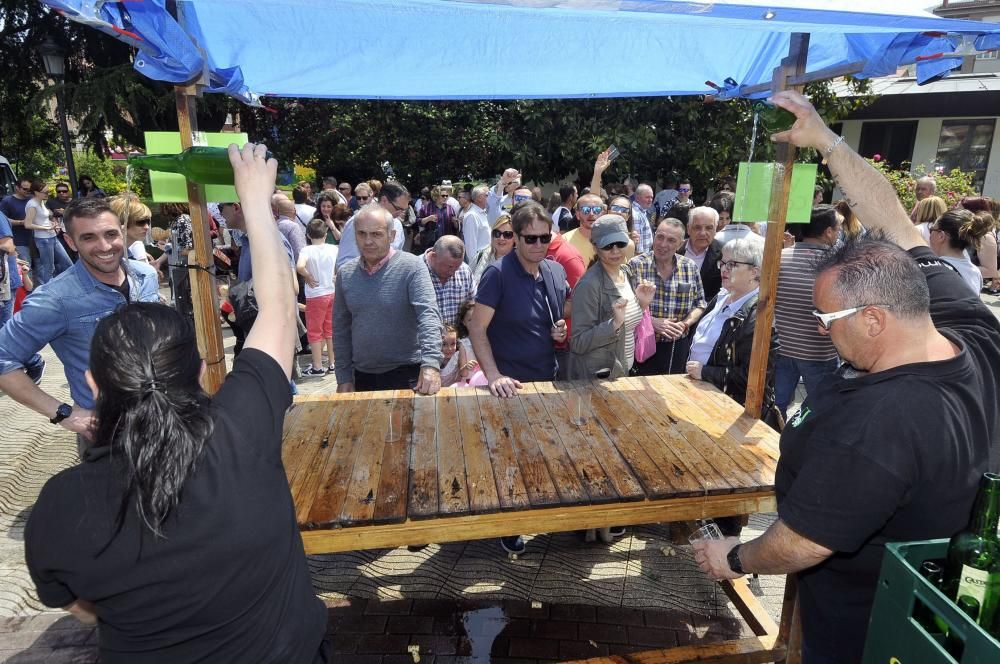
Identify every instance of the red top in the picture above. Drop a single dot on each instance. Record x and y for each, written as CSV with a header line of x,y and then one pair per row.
x,y
566,255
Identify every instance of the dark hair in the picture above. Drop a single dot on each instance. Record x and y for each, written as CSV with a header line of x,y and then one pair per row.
x,y
976,204
463,309
527,212
150,408
822,218
62,183
80,180
327,195
391,190
566,192
299,195
723,202
963,228
37,185
873,270
316,229
88,208
174,210
680,210
329,179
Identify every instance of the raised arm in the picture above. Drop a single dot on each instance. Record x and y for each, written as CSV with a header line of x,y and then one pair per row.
x,y
600,165
866,190
275,330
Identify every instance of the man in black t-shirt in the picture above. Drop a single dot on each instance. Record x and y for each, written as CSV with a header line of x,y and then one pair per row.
x,y
893,446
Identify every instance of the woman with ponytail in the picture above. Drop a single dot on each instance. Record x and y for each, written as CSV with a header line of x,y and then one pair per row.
x,y
955,231
177,533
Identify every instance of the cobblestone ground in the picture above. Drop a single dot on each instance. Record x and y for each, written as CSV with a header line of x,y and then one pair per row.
x,y
642,575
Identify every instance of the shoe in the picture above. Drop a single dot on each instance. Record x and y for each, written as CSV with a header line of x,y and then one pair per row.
x,y
310,372
616,531
36,370
513,544
413,548
331,370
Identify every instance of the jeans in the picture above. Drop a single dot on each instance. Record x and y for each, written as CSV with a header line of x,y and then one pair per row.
x,y
46,258
786,377
404,377
61,258
6,310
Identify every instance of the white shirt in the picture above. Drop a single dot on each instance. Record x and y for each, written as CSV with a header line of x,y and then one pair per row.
x,y
321,262
304,213
497,205
707,333
348,247
699,259
732,231
968,271
41,219
475,231
137,250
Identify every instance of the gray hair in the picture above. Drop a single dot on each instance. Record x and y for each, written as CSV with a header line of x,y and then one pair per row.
x,y
673,223
705,211
451,245
377,211
748,249
928,180
872,270
644,187
480,190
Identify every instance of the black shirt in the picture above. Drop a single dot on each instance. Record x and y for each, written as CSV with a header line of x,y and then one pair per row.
x,y
889,456
228,584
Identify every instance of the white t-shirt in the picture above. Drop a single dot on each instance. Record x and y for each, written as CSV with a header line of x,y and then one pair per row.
x,y
41,218
137,250
968,271
304,213
321,261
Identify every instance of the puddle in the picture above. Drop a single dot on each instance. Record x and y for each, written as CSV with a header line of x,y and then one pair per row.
x,y
482,626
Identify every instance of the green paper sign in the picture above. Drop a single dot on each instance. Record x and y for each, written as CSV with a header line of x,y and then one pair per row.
x,y
171,187
753,192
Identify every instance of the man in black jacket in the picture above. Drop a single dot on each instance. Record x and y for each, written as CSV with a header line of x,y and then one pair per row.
x,y
702,248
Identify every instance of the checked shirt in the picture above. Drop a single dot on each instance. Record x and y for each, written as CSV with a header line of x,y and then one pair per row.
x,y
677,296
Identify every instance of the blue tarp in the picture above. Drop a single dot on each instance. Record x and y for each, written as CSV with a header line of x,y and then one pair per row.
x,y
501,49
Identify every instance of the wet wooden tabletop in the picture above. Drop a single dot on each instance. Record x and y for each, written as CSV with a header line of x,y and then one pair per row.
x,y
557,457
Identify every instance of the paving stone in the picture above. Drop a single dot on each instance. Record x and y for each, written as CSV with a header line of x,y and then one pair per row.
x,y
653,637
356,659
344,643
668,619
436,644
521,609
574,612
384,644
517,627
607,633
581,649
410,625
360,624
537,648
398,608
619,615
554,629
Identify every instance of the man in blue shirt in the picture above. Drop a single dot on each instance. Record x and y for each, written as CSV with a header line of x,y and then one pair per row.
x,y
13,207
65,312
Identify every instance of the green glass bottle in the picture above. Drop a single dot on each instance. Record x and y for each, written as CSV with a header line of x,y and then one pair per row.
x,y
973,562
202,164
773,118
934,573
954,643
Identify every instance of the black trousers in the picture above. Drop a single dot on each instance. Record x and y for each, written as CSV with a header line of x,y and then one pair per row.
x,y
401,378
670,358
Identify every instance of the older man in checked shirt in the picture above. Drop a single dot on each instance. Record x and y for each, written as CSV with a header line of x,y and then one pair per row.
x,y
679,300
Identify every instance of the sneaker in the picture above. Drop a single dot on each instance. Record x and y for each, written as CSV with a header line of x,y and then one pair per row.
x,y
616,531
310,372
331,370
36,370
513,544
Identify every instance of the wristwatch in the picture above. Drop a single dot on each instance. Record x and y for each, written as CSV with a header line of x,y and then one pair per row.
x,y
733,558
62,412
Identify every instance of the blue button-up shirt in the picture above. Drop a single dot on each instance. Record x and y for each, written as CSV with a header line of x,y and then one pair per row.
x,y
64,314
6,230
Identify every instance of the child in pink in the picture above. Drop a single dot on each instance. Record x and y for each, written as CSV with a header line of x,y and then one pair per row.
x,y
316,264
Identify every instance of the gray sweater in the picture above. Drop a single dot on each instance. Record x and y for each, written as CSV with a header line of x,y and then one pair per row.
x,y
385,320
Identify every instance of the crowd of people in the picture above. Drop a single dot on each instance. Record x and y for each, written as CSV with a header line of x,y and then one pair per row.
x,y
490,287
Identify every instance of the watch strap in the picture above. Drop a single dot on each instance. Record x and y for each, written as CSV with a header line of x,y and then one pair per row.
x,y
733,558
62,412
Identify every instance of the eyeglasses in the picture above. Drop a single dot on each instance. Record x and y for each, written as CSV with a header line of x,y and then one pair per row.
x,y
614,245
620,209
532,239
729,265
398,209
507,235
827,319
362,198
932,229
684,190
347,189
521,197
591,209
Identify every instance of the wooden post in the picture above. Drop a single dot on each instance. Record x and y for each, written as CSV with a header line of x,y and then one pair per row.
x,y
204,295
793,65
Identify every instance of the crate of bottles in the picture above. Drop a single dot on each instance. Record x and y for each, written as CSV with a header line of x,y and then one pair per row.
x,y
906,602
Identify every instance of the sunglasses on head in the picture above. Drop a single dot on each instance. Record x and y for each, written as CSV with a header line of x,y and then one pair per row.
x,y
545,238
507,235
591,209
614,245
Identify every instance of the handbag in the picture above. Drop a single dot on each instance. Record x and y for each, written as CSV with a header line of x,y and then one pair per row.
x,y
645,338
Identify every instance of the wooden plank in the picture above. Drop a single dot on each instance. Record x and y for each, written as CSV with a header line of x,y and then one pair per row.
x,y
824,74
537,520
507,474
592,434
685,439
683,481
302,443
549,477
567,437
754,432
359,502
478,469
691,423
453,489
423,482
749,607
329,496
391,495
792,65
753,650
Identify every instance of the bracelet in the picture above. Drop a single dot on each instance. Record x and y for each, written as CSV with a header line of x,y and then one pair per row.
x,y
833,146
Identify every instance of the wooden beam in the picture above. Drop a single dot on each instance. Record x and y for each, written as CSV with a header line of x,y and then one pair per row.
x,y
204,295
755,615
754,650
790,626
792,65
833,71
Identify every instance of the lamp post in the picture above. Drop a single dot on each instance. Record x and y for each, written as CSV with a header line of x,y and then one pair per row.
x,y
54,60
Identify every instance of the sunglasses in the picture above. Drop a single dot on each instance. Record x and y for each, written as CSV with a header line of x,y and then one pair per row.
x,y
620,209
591,209
684,190
521,197
532,239
614,245
827,319
507,235
362,198
62,191
729,265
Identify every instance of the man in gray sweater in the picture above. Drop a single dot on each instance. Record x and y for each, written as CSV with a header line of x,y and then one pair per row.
x,y
386,326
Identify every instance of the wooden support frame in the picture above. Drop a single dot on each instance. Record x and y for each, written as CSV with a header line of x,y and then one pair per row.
x,y
204,294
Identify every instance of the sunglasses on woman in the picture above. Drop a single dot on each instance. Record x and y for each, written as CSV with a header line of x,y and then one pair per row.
x,y
362,198
507,235
614,245
545,238
620,209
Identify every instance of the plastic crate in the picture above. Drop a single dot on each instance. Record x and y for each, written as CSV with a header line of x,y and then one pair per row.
x,y
895,637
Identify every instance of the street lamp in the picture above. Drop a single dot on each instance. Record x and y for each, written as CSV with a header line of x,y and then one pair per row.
x,y
54,60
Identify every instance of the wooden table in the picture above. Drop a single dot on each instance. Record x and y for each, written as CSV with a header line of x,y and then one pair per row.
x,y
387,469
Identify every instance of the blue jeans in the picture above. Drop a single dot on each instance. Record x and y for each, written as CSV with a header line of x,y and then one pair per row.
x,y
46,258
6,310
786,377
62,259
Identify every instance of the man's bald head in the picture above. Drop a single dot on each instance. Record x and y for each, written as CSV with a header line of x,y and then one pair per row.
x,y
284,207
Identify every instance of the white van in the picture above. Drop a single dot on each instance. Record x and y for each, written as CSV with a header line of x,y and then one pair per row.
x,y
7,179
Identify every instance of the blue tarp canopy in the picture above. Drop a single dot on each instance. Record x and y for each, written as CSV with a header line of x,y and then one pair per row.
x,y
500,49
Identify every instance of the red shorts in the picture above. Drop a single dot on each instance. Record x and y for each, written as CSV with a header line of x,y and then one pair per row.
x,y
319,318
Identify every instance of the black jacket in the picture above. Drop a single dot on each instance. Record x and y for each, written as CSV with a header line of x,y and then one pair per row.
x,y
711,278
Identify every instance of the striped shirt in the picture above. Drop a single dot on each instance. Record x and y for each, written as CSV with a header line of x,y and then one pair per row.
x,y
452,293
676,297
794,305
